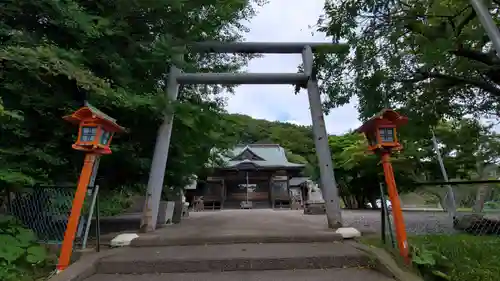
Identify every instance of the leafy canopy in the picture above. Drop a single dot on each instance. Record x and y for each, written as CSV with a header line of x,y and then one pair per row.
x,y
116,54
429,58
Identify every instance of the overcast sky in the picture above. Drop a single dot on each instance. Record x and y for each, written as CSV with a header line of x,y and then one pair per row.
x,y
285,21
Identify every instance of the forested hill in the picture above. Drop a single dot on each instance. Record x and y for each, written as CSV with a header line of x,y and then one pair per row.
x,y
294,138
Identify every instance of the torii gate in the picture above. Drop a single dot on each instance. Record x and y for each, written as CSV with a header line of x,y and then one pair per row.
x,y
177,78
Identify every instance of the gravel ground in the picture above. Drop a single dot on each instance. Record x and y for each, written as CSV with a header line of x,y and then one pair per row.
x,y
417,222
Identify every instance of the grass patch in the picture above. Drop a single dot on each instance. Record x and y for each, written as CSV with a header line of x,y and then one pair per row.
x,y
471,258
466,257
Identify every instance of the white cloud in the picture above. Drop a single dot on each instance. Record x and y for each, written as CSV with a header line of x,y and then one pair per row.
x,y
285,21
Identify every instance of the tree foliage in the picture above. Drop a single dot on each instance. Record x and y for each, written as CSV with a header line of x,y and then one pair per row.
x,y
115,54
54,54
431,59
359,172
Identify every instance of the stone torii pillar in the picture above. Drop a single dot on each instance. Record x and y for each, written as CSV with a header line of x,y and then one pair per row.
x,y
176,78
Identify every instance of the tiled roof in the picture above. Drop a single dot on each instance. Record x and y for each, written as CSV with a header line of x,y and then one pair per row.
x,y
273,155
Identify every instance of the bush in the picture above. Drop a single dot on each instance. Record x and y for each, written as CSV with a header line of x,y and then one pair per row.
x,y
115,202
431,264
20,254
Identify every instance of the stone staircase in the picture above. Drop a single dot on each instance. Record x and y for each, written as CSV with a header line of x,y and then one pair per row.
x,y
237,245
332,261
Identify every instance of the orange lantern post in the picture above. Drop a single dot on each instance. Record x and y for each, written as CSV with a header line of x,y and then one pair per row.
x,y
95,133
381,134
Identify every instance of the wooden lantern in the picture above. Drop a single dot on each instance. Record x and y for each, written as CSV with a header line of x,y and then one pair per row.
x,y
381,133
96,130
381,130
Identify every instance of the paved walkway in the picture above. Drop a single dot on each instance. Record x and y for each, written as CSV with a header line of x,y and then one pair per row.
x,y
250,226
245,224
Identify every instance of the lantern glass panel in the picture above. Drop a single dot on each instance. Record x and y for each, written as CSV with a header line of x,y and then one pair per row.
x,y
88,133
387,134
105,137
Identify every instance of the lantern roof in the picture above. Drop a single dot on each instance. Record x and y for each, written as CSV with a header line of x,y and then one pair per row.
x,y
90,112
386,116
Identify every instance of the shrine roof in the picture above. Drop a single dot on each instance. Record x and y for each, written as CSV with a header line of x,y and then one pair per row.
x,y
260,155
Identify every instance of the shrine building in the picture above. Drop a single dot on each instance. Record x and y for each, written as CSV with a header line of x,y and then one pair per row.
x,y
252,176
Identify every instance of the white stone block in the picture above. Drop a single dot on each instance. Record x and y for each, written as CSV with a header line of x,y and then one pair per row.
x,y
123,239
348,232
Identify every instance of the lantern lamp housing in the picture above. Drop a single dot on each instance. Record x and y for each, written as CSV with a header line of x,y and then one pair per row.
x,y
381,130
96,130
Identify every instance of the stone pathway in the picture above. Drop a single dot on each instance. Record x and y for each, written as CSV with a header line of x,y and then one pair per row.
x,y
254,226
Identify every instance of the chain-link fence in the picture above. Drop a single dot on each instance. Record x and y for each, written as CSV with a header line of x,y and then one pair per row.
x,y
43,209
46,210
478,207
477,210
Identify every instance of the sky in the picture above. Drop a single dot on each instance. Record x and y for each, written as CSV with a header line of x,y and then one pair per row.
x,y
285,21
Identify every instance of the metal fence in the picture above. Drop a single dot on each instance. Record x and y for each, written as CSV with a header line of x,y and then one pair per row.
x,y
45,210
477,210
478,207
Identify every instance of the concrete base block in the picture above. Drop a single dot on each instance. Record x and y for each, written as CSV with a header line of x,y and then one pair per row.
x,y
123,239
348,232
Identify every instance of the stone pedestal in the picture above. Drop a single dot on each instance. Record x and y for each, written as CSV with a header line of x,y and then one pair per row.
x,y
315,204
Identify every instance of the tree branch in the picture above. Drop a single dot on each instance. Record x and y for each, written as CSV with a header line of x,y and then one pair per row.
x,y
421,76
460,26
479,56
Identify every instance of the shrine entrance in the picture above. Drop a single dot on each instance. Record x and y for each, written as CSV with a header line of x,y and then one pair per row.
x,y
307,80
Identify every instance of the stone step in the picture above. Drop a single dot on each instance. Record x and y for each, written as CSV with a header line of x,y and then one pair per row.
x,y
348,274
153,240
235,257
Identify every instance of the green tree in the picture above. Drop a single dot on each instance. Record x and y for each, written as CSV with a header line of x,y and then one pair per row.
x,y
464,144
467,148
116,54
359,172
355,170
430,58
